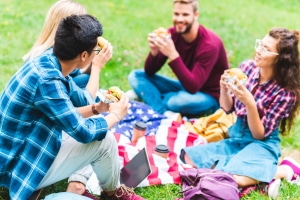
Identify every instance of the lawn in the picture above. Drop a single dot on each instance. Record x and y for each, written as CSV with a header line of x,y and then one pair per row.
x,y
126,25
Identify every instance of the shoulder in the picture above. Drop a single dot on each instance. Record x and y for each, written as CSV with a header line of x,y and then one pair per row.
x,y
48,66
248,66
208,34
209,40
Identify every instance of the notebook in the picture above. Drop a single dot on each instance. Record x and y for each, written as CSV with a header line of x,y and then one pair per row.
x,y
136,170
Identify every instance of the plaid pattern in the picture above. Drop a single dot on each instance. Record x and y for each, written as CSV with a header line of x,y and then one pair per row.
x,y
36,105
273,102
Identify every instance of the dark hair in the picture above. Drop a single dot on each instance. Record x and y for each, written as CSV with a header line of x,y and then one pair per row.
x,y
76,34
286,69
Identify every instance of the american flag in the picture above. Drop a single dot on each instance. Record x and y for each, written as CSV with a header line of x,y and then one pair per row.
x,y
160,130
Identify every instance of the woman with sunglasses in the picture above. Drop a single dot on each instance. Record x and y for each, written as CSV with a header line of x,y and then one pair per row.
x,y
266,106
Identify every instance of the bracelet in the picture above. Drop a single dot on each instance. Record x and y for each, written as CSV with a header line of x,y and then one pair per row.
x,y
95,112
117,116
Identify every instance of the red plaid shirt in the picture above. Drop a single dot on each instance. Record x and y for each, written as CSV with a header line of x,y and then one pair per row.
x,y
273,102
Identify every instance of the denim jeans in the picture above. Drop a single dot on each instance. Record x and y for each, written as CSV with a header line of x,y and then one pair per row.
x,y
162,94
81,80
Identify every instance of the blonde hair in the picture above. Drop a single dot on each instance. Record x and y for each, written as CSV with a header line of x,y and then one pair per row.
x,y
195,3
58,11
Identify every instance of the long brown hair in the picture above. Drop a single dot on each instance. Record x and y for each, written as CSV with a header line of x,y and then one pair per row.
x,y
286,69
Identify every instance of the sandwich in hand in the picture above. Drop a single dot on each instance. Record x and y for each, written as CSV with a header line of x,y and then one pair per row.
x,y
102,42
114,94
162,33
236,76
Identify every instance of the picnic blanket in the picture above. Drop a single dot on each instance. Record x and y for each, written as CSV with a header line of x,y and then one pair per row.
x,y
161,130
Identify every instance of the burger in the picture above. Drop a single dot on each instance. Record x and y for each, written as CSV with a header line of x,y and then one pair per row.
x,y
114,94
101,42
236,76
162,33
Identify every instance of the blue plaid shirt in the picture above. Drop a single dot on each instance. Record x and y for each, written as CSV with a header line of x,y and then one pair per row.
x,y
273,102
36,105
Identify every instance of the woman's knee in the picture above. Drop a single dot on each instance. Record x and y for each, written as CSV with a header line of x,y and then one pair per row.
x,y
244,181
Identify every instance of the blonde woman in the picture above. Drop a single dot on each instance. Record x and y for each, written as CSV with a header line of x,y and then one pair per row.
x,y
59,10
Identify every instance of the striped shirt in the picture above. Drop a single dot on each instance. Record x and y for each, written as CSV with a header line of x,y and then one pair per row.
x,y
36,105
273,102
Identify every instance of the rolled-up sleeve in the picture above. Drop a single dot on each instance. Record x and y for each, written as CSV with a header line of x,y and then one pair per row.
x,y
52,98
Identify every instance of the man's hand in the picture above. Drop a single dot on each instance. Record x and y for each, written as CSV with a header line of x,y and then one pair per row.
x,y
152,44
103,57
166,46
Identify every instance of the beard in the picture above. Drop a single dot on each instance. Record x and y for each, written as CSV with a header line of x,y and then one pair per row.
x,y
186,30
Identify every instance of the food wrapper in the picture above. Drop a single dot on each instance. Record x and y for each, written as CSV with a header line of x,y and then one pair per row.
x,y
235,81
102,95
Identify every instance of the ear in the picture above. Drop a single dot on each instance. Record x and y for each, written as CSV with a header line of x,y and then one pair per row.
x,y
197,14
84,55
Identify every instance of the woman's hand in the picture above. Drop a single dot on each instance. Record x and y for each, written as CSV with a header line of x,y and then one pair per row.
x,y
223,83
242,94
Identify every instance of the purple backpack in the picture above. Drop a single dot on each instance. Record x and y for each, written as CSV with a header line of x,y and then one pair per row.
x,y
208,184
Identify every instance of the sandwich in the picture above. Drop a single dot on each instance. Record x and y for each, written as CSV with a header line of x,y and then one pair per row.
x,y
162,33
114,94
236,76
101,42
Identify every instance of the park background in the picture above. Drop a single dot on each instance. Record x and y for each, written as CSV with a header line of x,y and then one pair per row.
x,y
126,25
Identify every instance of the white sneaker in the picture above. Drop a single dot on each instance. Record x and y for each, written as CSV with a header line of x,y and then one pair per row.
x,y
131,95
293,171
273,188
173,115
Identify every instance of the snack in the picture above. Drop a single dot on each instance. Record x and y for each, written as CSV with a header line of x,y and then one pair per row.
x,y
162,33
236,76
114,93
101,42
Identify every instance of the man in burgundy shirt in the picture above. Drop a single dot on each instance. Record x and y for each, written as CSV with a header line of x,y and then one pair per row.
x,y
197,57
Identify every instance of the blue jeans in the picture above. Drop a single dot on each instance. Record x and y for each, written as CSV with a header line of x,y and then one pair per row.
x,y
162,93
81,80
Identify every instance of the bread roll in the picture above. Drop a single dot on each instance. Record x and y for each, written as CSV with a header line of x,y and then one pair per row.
x,y
236,76
114,93
101,42
162,33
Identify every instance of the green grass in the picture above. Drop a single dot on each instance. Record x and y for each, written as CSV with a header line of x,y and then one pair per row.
x,y
126,25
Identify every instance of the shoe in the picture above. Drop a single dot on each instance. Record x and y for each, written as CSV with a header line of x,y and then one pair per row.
x,y
131,95
89,195
273,188
122,193
295,166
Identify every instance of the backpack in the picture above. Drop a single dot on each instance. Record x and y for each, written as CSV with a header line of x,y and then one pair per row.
x,y
208,184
